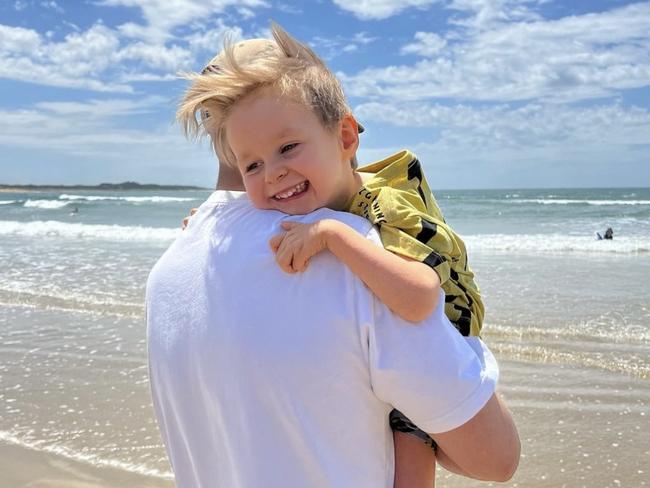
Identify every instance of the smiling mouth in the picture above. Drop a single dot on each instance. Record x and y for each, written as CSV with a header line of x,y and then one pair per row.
x,y
292,192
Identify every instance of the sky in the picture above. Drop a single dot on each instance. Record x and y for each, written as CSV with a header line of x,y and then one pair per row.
x,y
487,93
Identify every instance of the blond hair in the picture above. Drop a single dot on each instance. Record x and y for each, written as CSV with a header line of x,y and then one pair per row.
x,y
284,64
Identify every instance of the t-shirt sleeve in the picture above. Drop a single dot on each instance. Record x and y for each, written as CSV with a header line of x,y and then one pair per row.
x,y
433,375
407,229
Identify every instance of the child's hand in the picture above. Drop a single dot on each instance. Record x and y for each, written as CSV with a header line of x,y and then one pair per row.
x,y
186,220
294,248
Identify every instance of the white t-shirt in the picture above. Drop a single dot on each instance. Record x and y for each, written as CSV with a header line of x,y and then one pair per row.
x,y
265,379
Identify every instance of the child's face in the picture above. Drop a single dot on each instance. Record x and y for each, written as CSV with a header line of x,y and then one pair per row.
x,y
288,160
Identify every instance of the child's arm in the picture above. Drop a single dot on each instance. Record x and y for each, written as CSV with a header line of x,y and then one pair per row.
x,y
409,288
186,220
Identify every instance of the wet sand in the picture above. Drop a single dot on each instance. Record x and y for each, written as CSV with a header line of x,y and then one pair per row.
x,y
26,468
579,428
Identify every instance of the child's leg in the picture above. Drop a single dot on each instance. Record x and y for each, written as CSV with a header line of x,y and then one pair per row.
x,y
415,456
415,462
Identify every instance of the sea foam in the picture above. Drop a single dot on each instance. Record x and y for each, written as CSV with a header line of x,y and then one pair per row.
x,y
48,204
52,228
558,201
153,199
558,243
43,445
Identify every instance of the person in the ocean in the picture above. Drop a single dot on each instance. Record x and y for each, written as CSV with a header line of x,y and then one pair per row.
x,y
609,234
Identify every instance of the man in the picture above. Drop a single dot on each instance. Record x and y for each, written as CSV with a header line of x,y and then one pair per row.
x,y
260,378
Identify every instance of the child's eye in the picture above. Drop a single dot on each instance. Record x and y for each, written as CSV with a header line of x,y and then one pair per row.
x,y
288,147
252,166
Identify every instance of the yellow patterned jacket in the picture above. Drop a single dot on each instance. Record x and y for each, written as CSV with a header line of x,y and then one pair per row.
x,y
399,201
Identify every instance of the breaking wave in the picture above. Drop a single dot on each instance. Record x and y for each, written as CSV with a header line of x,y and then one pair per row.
x,y
52,228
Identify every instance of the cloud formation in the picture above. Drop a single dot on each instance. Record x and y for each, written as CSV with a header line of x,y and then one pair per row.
x,y
162,17
568,59
381,9
499,86
109,59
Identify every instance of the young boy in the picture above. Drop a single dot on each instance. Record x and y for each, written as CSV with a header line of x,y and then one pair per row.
x,y
275,111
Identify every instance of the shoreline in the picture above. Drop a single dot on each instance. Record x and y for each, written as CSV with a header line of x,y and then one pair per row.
x,y
22,467
102,187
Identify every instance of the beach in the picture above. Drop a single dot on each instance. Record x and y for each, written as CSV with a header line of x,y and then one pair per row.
x,y
31,468
568,317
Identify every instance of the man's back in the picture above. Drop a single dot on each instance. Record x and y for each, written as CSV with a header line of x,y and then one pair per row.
x,y
260,378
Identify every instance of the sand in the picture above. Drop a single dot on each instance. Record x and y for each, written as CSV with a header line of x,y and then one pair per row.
x,y
27,468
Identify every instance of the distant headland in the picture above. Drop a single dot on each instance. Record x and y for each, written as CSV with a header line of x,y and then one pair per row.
x,y
127,185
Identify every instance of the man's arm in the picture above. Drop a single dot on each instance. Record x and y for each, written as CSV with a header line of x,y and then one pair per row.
x,y
445,384
486,447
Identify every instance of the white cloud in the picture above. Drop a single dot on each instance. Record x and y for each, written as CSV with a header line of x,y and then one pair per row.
x,y
92,128
163,16
488,13
246,13
381,9
504,147
73,62
90,142
427,44
160,58
534,145
52,5
330,47
98,59
133,76
211,40
18,40
109,59
572,58
532,125
102,110
288,9
364,38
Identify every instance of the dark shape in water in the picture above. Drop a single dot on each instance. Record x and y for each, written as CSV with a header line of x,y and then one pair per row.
x,y
609,234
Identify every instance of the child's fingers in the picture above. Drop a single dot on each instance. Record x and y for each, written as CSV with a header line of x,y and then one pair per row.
x,y
288,224
299,263
193,211
186,221
284,258
275,242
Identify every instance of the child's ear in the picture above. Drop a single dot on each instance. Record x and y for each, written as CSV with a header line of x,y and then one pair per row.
x,y
349,136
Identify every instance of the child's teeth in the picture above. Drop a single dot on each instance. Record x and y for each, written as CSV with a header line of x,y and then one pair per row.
x,y
291,192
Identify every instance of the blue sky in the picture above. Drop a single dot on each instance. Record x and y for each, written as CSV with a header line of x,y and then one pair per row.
x,y
488,93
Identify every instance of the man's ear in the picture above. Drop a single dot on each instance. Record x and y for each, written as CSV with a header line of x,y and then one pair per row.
x,y
349,136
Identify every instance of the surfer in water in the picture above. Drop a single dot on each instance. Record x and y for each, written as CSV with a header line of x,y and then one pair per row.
x,y
609,234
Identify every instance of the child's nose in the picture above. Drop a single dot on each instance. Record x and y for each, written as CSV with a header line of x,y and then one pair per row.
x,y
275,173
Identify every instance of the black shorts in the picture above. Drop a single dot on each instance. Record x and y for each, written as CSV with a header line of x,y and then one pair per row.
x,y
400,423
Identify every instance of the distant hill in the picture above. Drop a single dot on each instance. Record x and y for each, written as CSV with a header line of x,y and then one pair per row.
x,y
127,185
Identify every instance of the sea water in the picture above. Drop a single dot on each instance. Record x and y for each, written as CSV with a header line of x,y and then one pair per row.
x,y
567,315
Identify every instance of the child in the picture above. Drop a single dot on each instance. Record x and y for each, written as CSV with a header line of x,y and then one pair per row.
x,y
276,112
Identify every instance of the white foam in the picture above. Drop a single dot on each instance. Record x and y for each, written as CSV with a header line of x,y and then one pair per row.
x,y
48,204
558,243
52,228
559,201
7,202
153,198
92,459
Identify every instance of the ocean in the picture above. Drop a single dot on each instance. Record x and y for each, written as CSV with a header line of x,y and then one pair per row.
x,y
567,315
